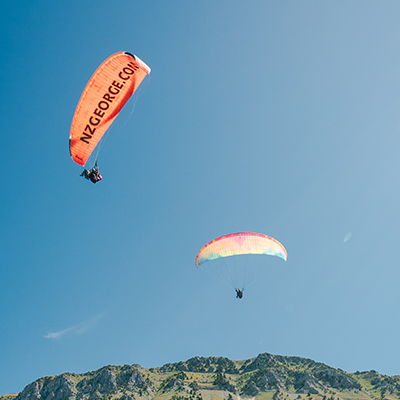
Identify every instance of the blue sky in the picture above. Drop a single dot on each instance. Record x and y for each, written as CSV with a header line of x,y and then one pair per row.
x,y
266,116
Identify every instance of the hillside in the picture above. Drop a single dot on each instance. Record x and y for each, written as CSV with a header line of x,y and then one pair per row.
x,y
264,377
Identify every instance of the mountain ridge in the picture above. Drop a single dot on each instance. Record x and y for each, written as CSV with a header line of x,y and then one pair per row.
x,y
263,377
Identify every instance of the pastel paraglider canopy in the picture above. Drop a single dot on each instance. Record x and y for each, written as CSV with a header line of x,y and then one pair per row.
x,y
240,243
107,91
238,272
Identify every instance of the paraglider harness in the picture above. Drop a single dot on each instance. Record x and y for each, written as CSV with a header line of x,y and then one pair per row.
x,y
93,174
239,293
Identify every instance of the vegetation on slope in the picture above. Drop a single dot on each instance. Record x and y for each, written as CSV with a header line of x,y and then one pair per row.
x,y
265,377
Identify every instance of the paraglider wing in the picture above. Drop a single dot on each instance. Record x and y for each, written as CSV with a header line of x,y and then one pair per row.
x,y
107,91
240,243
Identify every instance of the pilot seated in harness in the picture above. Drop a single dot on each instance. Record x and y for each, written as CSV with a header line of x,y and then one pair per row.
x,y
93,174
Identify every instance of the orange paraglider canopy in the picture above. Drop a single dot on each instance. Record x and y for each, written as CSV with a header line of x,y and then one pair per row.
x,y
107,91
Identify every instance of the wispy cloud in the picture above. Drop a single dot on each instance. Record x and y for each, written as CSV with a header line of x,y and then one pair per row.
x,y
76,329
347,237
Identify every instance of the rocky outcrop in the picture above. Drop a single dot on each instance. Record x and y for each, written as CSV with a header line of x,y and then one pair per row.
x,y
270,380
306,383
102,383
130,378
202,364
337,379
251,389
107,381
61,387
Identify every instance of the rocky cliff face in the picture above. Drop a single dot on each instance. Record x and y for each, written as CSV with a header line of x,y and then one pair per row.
x,y
201,378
